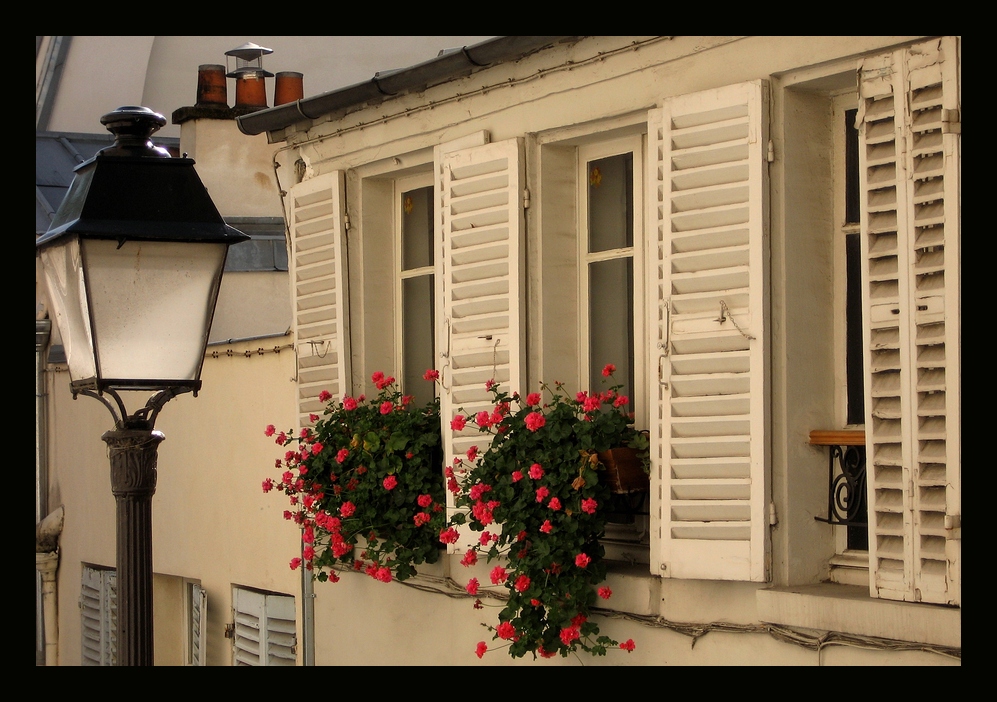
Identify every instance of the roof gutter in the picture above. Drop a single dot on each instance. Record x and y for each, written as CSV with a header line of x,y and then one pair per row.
x,y
448,66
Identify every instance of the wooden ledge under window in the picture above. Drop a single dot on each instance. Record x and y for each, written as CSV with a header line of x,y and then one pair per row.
x,y
837,437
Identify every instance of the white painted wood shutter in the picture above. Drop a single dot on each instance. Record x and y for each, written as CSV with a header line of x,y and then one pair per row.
x,y
909,164
264,628
99,610
319,279
198,625
480,281
707,263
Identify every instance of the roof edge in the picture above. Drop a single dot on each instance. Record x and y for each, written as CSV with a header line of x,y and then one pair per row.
x,y
447,66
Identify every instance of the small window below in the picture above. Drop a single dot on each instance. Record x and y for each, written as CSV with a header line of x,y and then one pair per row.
x,y
265,628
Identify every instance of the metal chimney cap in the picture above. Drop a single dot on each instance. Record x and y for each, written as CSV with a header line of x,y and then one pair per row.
x,y
249,51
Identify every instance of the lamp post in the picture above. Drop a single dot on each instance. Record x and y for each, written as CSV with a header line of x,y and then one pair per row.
x,y
133,262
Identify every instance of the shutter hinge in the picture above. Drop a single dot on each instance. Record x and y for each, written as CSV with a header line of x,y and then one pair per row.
x,y
346,222
773,515
950,122
770,155
526,198
230,631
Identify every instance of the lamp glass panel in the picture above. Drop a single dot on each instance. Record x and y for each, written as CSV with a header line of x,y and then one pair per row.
x,y
67,295
152,304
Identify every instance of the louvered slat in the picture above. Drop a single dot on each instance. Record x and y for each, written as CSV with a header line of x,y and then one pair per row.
x,y
707,180
319,277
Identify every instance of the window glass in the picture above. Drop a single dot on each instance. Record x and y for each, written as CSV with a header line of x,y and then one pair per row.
x,y
610,211
611,327
610,262
417,292
417,228
417,333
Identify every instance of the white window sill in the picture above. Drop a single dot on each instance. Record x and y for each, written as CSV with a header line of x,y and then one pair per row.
x,y
850,609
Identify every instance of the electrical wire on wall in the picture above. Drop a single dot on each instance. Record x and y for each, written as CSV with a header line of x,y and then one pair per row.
x,y
810,640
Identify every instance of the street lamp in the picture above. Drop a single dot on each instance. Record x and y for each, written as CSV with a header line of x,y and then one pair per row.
x,y
133,261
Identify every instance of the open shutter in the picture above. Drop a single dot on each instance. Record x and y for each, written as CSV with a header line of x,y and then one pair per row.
x,y
198,624
99,609
319,279
909,166
708,258
480,282
264,628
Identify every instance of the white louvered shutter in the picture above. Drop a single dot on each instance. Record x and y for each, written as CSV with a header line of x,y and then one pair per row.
x,y
909,165
319,278
708,258
99,608
264,629
481,284
198,624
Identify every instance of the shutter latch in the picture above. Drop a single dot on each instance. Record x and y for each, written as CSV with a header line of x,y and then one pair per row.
x,y
230,631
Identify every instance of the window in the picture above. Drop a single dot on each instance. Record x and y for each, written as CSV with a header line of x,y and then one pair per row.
x,y
610,237
98,611
179,614
264,631
611,293
847,503
416,298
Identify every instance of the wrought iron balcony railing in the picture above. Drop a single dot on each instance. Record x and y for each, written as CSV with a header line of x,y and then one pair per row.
x,y
846,483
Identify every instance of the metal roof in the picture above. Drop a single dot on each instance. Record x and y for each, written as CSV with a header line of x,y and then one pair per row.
x,y
57,154
449,65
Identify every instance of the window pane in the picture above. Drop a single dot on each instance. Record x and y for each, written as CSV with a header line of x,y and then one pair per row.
x,y
853,326
611,203
851,168
611,323
417,337
417,228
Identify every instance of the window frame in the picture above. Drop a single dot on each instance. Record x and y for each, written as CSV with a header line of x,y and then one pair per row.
x,y
635,144
847,565
403,184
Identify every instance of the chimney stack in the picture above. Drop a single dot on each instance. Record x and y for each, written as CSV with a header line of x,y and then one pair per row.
x,y
288,87
212,88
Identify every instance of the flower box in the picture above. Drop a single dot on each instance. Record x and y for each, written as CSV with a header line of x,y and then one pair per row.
x,y
624,470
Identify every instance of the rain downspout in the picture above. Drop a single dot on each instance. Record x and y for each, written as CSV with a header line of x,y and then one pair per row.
x,y
43,330
308,616
47,533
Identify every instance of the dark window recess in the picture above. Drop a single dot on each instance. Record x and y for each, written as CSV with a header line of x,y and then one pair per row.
x,y
265,251
853,330
852,201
